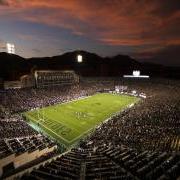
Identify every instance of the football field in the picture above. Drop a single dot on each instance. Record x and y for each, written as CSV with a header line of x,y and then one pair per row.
x,y
68,122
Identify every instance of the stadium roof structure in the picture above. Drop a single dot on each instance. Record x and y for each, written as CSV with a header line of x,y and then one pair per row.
x,y
48,71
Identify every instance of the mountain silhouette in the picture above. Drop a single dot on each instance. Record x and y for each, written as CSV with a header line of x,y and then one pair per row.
x,y
14,66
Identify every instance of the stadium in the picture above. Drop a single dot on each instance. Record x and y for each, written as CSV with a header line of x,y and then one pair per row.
x,y
89,90
70,127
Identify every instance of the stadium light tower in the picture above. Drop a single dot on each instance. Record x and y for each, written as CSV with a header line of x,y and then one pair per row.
x,y
79,58
10,48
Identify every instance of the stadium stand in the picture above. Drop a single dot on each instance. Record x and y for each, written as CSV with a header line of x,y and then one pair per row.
x,y
52,78
110,163
142,142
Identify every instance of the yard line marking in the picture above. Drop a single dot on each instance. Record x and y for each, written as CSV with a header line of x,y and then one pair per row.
x,y
57,122
51,130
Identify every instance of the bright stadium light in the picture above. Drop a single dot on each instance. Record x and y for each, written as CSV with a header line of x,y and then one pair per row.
x,y
136,73
10,48
79,58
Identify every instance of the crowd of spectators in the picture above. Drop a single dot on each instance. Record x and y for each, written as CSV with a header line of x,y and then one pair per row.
x,y
151,125
15,126
20,100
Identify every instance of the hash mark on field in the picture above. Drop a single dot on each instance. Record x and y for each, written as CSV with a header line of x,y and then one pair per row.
x,y
52,131
60,123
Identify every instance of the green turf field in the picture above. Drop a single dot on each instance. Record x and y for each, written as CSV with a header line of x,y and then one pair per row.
x,y
70,121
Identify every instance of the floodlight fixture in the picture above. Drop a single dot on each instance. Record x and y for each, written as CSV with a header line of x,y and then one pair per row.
x,y
10,48
79,58
136,73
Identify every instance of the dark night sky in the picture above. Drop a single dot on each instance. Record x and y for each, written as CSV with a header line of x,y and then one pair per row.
x,y
148,30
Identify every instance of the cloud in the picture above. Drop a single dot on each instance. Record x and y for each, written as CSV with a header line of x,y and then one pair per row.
x,y
163,55
111,22
10,2
2,46
166,7
168,54
3,2
37,51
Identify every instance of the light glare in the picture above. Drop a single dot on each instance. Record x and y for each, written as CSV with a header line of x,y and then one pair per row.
x,y
79,58
10,48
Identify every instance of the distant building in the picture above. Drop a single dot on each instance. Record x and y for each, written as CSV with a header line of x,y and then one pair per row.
x,y
45,78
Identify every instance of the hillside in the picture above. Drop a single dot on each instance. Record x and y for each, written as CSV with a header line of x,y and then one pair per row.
x,y
13,66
